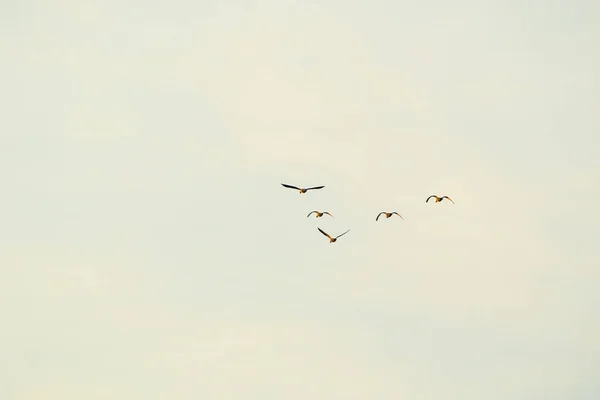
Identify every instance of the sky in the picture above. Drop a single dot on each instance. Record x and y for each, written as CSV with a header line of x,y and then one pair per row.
x,y
148,250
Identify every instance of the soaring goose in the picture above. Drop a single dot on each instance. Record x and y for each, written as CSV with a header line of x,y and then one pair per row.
x,y
319,214
388,214
438,199
302,190
332,239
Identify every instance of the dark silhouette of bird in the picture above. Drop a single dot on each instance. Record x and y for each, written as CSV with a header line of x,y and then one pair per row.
x,y
438,199
302,190
332,239
319,214
388,214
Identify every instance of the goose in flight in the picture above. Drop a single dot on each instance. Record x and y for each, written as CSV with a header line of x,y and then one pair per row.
x,y
438,199
302,190
319,214
388,214
332,239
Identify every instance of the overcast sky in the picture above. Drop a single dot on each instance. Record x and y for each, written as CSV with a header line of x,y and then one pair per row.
x,y
148,250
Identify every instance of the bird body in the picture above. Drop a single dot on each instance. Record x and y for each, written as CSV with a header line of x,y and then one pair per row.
x,y
332,239
319,214
438,198
302,190
388,214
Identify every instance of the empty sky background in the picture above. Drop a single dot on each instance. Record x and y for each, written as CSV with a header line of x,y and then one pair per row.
x,y
148,251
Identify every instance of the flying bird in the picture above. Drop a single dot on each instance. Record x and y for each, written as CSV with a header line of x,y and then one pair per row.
x,y
302,190
388,214
438,199
332,239
319,214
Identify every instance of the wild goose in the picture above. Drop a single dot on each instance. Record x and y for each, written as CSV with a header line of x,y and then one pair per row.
x,y
319,214
332,239
302,190
438,199
388,214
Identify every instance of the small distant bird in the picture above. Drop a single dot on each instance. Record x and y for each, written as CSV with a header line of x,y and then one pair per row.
x,y
302,190
332,239
438,199
319,214
388,214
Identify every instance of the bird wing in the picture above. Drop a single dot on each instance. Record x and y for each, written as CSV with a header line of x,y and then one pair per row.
x,y
342,234
378,215
320,230
328,214
433,195
446,197
311,213
315,187
290,186
397,214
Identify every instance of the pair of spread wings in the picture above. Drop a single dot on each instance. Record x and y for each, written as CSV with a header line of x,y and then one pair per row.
x,y
297,188
319,213
386,214
439,198
330,238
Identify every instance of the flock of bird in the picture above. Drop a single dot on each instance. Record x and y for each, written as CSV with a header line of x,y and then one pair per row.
x,y
319,214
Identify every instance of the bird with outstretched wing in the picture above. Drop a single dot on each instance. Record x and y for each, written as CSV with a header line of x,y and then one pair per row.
x,y
438,199
388,214
332,239
319,214
301,190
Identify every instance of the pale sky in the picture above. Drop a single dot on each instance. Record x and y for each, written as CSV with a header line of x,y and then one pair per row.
x,y
148,250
